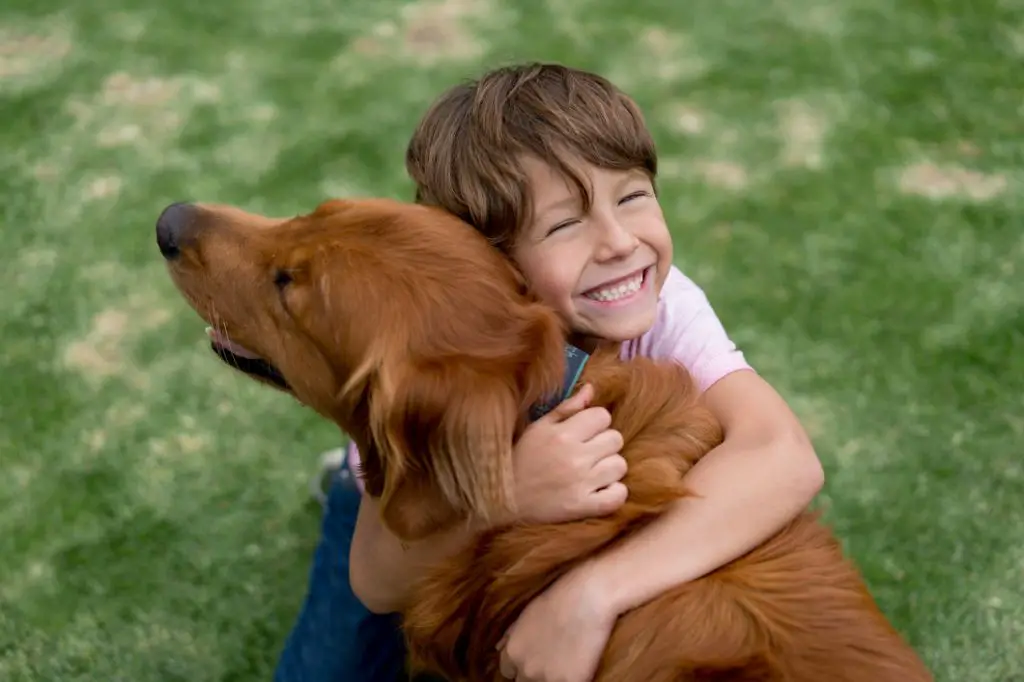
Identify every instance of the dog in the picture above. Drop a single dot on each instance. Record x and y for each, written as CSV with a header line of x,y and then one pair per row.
x,y
420,340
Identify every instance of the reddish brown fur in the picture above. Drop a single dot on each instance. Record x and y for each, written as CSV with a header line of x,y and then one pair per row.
x,y
417,338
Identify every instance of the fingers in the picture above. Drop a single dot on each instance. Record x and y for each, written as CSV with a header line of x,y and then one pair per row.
x,y
607,500
607,471
572,404
605,443
587,424
581,421
607,492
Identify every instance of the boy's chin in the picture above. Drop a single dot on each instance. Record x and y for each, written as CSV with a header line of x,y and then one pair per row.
x,y
626,328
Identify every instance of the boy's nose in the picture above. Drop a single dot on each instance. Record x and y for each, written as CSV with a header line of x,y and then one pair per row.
x,y
618,241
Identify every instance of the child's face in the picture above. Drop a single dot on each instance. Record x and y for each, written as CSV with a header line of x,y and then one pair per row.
x,y
602,270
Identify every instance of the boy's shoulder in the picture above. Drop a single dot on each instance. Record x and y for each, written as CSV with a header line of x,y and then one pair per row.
x,y
680,302
677,284
671,301
687,329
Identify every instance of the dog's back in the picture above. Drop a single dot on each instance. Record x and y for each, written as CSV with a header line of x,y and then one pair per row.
x,y
794,609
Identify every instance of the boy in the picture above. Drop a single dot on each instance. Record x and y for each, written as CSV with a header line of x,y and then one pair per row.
x,y
556,167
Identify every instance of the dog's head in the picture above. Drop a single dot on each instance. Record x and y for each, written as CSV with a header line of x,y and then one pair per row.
x,y
399,322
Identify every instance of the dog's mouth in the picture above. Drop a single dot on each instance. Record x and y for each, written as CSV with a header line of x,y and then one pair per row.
x,y
244,360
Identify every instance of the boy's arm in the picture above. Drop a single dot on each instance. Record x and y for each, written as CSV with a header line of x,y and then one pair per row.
x,y
382,569
566,468
762,475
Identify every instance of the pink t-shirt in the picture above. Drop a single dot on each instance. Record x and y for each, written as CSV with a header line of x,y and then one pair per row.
x,y
686,329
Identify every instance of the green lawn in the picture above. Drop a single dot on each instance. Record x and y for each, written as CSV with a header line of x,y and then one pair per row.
x,y
844,178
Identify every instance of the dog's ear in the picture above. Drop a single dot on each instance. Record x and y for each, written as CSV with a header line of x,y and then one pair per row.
x,y
444,431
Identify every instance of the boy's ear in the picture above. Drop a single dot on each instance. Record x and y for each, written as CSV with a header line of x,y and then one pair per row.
x,y
444,434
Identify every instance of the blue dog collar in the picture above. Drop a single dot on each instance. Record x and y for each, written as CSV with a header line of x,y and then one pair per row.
x,y
575,361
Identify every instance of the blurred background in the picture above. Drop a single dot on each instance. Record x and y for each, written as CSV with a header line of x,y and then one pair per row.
x,y
843,178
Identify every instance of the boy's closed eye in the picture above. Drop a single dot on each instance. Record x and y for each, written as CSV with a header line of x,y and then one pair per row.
x,y
634,195
575,221
562,225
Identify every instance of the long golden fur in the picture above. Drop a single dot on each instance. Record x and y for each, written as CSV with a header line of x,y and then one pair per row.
x,y
403,326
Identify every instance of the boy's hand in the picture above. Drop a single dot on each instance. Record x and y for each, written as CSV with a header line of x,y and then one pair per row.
x,y
560,636
567,464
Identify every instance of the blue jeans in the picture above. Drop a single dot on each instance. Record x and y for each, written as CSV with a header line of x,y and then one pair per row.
x,y
336,638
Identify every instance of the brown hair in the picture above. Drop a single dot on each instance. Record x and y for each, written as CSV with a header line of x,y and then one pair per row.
x,y
464,155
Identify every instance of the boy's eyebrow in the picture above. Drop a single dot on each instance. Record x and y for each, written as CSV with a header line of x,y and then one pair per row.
x,y
572,200
568,201
631,175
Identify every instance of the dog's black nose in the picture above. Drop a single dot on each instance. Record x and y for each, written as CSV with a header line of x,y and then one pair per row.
x,y
171,226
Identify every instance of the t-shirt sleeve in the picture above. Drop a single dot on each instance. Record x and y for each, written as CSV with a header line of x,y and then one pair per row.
x,y
688,331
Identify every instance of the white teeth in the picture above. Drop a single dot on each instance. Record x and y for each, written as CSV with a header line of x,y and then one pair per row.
x,y
614,293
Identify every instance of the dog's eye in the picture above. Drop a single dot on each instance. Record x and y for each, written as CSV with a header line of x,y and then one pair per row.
x,y
282,278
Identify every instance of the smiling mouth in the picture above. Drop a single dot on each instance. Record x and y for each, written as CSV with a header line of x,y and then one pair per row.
x,y
619,289
244,361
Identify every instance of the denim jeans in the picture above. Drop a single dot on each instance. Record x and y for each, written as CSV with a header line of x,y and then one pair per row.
x,y
336,639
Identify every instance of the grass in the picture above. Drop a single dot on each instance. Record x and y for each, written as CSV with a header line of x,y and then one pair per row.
x,y
843,178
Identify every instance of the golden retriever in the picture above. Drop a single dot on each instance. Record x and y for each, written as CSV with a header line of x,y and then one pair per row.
x,y
407,329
